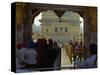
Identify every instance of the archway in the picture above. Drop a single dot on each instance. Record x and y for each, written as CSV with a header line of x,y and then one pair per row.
x,y
85,12
68,27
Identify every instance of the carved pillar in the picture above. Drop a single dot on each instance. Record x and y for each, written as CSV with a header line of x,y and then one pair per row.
x,y
93,26
86,29
28,24
30,14
84,14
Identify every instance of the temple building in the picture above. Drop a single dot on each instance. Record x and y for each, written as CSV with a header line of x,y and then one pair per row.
x,y
65,29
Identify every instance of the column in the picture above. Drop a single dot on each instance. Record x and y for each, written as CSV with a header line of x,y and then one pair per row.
x,y
28,24
86,29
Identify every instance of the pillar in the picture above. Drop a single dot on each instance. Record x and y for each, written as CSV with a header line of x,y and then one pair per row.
x,y
86,29
27,24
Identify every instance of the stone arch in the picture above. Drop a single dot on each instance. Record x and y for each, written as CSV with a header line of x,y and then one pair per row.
x,y
31,10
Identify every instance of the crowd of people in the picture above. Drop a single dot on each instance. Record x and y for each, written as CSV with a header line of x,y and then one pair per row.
x,y
41,54
45,54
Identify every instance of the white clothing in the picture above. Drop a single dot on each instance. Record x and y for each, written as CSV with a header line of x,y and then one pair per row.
x,y
21,54
30,56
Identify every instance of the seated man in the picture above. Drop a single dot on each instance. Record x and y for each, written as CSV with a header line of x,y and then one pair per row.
x,y
20,52
90,62
30,57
